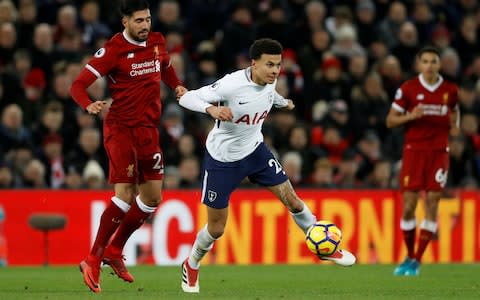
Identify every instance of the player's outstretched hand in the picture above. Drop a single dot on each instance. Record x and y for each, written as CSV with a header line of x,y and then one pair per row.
x,y
180,91
221,113
290,104
96,107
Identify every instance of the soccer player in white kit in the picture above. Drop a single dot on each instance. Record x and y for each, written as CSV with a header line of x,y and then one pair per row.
x,y
235,150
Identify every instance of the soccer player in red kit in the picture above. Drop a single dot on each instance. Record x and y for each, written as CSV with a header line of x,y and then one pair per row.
x,y
426,106
134,61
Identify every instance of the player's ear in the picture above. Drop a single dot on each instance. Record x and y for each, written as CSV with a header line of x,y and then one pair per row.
x,y
124,21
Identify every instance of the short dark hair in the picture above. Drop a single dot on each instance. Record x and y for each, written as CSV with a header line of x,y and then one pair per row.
x,y
128,7
265,46
428,49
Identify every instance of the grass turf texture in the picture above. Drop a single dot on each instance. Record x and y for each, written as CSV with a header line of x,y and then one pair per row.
x,y
442,281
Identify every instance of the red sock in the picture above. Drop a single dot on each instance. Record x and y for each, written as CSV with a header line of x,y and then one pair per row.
x,y
425,238
134,218
409,239
111,218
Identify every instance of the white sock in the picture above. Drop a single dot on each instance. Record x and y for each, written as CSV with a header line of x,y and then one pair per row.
x,y
203,244
124,206
304,218
143,207
429,225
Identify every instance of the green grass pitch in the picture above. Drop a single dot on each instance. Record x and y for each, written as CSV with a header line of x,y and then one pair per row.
x,y
441,281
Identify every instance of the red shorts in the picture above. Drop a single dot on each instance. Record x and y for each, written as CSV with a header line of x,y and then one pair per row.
x,y
134,153
424,170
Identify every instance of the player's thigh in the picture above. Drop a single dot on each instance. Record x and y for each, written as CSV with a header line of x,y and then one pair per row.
x,y
119,145
218,181
412,173
263,168
437,170
125,191
149,155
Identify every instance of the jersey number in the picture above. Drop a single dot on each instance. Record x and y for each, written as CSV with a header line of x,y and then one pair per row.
x,y
158,161
273,163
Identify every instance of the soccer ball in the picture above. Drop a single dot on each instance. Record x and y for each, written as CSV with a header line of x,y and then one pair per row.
x,y
323,238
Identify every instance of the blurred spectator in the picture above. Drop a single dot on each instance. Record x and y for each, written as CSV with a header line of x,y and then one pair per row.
x,y
6,176
365,14
369,106
93,175
298,141
52,156
189,172
424,20
390,25
93,28
462,165
315,13
330,83
392,75
88,148
346,44
51,121
345,176
441,37
322,175
292,74
8,41
168,17
311,54
42,48
466,39
451,65
276,26
27,16
12,130
468,98
407,47
342,15
357,70
171,179
238,35
73,180
370,151
292,165
381,176
8,11
33,175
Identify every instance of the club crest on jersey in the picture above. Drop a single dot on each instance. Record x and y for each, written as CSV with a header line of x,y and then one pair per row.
x,y
100,52
130,169
130,55
212,195
420,97
445,98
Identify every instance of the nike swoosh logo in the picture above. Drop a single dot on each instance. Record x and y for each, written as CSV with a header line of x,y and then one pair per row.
x,y
242,103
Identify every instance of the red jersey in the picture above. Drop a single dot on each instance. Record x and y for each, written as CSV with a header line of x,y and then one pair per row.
x,y
133,71
431,131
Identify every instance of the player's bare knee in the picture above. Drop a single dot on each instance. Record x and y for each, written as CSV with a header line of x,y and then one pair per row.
x,y
152,200
216,232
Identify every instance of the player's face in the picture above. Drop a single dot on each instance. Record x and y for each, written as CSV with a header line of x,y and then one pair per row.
x,y
138,25
429,65
266,69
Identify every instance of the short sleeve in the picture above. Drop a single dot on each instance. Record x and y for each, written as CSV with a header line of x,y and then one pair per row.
x,y
400,102
103,60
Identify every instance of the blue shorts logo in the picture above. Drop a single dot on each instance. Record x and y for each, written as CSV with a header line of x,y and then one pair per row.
x,y
212,196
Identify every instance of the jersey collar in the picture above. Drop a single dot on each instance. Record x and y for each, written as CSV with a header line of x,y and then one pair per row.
x,y
131,41
430,87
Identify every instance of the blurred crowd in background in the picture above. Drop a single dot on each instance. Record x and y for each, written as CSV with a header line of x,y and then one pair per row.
x,y
342,63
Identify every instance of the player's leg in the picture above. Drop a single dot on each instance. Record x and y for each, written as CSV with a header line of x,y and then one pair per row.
x,y
141,208
145,167
122,174
218,182
301,214
217,218
304,218
411,180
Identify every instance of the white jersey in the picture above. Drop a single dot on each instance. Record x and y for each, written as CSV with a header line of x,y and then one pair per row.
x,y
250,104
